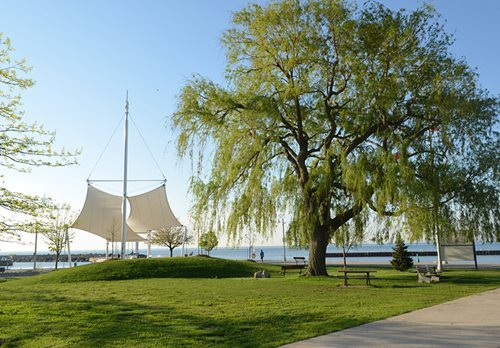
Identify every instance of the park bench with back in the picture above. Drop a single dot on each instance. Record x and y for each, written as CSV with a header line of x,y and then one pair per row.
x,y
299,260
300,264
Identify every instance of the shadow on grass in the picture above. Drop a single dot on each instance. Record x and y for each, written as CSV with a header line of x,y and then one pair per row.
x,y
470,277
111,314
113,322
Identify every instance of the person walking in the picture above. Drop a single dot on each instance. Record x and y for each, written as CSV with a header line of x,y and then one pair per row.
x,y
261,255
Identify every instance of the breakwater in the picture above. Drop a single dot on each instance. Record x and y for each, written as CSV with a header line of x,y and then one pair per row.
x,y
412,253
52,257
489,253
85,257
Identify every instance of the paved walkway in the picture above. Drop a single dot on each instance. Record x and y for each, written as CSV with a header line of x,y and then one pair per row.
x,y
472,321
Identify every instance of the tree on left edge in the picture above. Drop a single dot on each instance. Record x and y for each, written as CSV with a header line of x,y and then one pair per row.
x,y
22,146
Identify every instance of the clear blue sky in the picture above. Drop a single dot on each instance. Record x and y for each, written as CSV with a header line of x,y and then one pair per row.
x,y
86,53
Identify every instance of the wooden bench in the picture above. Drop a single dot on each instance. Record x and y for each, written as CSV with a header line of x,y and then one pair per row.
x,y
427,274
299,259
299,267
357,274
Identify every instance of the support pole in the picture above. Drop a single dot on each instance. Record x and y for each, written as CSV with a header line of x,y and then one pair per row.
x,y
438,247
435,210
184,239
124,207
36,243
149,243
183,242
474,251
198,246
283,230
68,242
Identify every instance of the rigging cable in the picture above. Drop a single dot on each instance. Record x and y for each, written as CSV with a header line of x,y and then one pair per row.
x,y
147,147
105,147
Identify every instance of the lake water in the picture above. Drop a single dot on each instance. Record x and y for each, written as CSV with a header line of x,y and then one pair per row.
x,y
275,254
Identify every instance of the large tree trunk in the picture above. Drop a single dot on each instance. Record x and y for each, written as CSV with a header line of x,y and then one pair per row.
x,y
171,252
317,251
317,216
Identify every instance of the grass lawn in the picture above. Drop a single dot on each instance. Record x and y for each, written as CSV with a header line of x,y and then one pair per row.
x,y
65,308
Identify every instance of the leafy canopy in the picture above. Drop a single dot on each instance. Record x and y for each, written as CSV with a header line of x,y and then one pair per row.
x,y
208,241
55,228
171,237
326,114
22,145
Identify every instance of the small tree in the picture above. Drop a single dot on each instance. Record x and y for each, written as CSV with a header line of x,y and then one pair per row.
x,y
208,241
348,236
56,232
401,259
171,237
56,239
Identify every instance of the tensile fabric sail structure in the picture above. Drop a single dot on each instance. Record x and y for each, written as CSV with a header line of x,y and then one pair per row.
x,y
150,211
105,214
102,214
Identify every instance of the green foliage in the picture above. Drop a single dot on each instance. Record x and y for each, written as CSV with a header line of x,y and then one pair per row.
x,y
208,241
401,259
350,235
23,145
56,229
211,312
177,267
16,202
326,114
171,237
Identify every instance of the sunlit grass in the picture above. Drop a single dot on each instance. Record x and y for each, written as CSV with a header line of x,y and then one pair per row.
x,y
42,311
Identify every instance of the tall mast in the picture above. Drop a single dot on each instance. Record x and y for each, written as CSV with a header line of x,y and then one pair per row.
x,y
125,160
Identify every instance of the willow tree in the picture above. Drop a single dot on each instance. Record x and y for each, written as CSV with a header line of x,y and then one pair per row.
x,y
323,115
455,195
22,145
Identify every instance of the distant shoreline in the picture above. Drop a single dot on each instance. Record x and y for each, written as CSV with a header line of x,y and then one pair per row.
x,y
86,257
52,257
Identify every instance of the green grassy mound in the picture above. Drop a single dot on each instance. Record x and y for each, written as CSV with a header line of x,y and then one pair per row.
x,y
177,267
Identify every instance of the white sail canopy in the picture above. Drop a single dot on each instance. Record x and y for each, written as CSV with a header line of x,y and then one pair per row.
x,y
151,211
102,214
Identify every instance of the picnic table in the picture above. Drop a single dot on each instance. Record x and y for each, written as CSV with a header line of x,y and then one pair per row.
x,y
357,274
427,274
